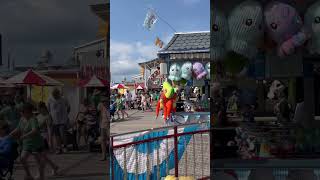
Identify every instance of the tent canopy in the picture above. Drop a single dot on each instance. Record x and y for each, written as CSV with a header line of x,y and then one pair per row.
x,y
119,86
32,77
94,81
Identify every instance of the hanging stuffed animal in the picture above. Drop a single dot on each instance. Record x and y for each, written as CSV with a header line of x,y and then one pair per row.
x,y
199,71
285,27
245,24
186,71
208,70
219,35
312,22
175,72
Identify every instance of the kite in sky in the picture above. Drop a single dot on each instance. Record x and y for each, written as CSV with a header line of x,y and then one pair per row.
x,y
151,19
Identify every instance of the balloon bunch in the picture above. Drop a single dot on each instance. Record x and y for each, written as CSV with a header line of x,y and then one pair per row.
x,y
167,101
188,70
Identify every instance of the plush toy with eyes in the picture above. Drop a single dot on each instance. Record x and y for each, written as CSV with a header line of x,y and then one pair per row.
x,y
208,70
285,27
186,71
312,23
219,35
175,72
245,25
199,70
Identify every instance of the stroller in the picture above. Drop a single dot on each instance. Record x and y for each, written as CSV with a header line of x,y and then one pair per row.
x,y
6,173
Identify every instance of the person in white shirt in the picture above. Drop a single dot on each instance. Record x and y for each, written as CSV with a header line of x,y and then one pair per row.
x,y
143,102
59,109
128,99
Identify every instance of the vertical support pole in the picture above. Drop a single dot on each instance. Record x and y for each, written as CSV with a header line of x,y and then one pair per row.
x,y
167,155
145,76
186,157
158,163
111,158
125,164
137,165
194,155
202,168
148,162
176,159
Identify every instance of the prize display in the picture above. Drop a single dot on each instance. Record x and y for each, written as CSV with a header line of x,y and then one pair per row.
x,y
245,26
285,26
220,34
186,71
175,72
312,23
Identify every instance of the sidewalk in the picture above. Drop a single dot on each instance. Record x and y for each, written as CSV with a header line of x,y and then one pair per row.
x,y
73,165
137,120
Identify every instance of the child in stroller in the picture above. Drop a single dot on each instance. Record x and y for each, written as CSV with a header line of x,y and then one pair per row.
x,y
8,152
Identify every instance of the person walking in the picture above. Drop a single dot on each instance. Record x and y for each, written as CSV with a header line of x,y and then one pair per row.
x,y
143,102
59,109
45,124
120,107
104,127
32,142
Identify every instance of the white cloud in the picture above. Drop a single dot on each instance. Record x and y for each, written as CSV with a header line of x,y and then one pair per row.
x,y
126,56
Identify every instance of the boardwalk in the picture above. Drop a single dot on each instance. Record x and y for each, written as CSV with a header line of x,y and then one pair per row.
x,y
86,166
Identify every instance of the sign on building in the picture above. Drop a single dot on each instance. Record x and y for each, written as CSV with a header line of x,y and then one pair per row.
x,y
92,64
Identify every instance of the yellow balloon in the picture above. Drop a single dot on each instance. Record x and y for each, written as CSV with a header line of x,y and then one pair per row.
x,y
169,91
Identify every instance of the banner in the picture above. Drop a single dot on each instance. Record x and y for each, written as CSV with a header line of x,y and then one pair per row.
x,y
148,152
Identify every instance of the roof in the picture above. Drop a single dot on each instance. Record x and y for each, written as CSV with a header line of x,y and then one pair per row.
x,y
151,64
188,42
99,41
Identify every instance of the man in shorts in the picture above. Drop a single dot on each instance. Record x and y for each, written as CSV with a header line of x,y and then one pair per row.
x,y
59,109
104,126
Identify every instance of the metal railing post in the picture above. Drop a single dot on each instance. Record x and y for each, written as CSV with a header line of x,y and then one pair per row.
x,y
111,158
176,159
158,163
125,164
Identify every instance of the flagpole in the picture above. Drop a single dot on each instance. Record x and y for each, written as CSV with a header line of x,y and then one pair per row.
x,y
162,19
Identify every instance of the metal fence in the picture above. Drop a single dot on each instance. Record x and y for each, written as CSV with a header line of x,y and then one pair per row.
x,y
177,150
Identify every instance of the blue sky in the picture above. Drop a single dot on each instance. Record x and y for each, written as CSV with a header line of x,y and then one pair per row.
x,y
131,43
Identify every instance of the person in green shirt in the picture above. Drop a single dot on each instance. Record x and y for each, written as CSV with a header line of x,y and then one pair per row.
x,y
120,107
32,142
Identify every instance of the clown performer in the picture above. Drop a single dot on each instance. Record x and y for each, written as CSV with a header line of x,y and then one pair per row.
x,y
167,102
166,95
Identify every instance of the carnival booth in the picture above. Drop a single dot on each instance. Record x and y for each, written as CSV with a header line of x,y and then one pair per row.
x,y
262,66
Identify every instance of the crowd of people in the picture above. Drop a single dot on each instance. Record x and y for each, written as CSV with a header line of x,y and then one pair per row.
x,y
141,100
38,129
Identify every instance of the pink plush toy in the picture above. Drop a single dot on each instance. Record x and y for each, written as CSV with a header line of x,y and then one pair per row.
x,y
199,70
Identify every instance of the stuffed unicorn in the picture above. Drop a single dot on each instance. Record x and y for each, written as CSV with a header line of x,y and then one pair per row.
x,y
175,72
186,71
199,70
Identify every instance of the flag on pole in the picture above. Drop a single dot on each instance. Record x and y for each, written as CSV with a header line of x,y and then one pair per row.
x,y
150,19
158,42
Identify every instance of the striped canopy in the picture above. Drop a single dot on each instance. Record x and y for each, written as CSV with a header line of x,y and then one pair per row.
x,y
94,81
32,77
119,86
